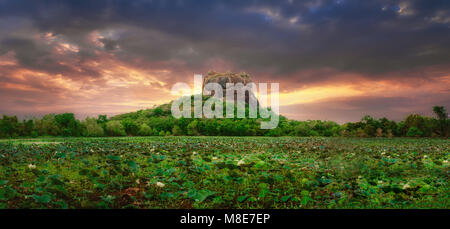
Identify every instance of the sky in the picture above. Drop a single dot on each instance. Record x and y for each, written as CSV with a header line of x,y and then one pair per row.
x,y
334,59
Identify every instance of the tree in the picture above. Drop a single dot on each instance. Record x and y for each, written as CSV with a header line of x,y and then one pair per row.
x,y
417,121
302,129
442,116
360,133
68,125
276,132
414,132
145,130
388,126
369,125
27,127
192,128
102,120
389,133
158,112
440,112
131,128
176,130
115,128
379,132
47,126
91,128
370,130
9,126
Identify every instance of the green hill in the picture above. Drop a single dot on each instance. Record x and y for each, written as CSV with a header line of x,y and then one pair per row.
x,y
161,122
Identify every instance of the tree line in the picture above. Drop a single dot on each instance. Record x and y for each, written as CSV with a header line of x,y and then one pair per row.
x,y
159,122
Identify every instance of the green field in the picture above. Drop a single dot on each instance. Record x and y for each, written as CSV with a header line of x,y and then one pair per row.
x,y
224,172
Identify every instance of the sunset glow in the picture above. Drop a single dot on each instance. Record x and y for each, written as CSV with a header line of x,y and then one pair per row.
x,y
90,61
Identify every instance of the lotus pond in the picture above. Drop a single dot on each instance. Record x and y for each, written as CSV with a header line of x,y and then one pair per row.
x,y
224,172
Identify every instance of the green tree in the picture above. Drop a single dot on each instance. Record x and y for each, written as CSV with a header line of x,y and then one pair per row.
x,y
68,125
115,128
9,126
302,129
192,128
369,125
379,133
414,132
442,116
276,132
176,130
440,112
145,130
47,126
91,128
131,128
158,112
360,133
102,120
27,127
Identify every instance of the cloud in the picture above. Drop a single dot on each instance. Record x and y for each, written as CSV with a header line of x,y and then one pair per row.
x,y
81,49
353,109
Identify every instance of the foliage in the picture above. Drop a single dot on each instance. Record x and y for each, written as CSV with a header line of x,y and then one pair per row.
x,y
224,172
115,128
68,125
414,132
131,128
444,122
145,130
91,128
159,122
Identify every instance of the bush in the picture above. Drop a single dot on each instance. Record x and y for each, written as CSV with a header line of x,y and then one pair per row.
x,y
91,128
68,125
145,130
176,130
192,128
131,128
414,132
34,134
115,128
379,133
47,126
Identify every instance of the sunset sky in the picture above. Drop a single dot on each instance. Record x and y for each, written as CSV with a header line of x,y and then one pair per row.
x,y
335,60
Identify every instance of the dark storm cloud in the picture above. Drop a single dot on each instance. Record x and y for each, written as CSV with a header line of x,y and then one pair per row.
x,y
26,52
299,44
41,57
371,37
109,44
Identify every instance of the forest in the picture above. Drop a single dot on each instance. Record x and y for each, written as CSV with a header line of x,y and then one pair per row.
x,y
159,122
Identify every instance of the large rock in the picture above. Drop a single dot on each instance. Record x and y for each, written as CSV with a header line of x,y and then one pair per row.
x,y
229,77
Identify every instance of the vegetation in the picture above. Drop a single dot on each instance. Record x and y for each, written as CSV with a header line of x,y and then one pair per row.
x,y
159,122
224,172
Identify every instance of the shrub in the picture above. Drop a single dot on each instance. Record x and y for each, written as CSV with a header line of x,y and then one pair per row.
x,y
91,128
414,132
68,125
145,130
192,128
379,132
131,128
176,130
115,128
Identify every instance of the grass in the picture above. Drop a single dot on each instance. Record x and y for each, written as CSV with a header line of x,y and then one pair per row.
x,y
224,172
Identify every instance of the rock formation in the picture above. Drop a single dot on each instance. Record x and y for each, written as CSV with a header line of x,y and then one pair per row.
x,y
228,77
